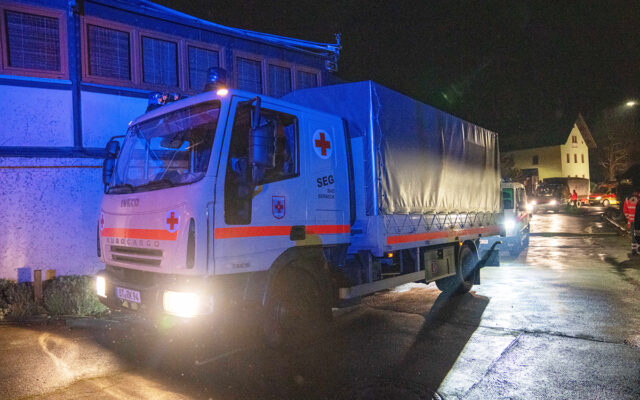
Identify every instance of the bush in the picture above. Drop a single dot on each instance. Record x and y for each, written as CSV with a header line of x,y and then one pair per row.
x,y
72,295
16,300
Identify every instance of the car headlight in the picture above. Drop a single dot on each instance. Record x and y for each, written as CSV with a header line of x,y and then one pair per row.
x,y
530,207
533,202
187,304
101,286
553,202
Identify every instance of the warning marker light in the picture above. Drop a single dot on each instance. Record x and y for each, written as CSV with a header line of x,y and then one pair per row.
x,y
216,80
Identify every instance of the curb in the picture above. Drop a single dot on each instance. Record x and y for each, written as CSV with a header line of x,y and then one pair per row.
x,y
69,321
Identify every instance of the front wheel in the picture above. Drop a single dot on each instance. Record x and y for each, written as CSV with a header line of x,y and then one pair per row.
x,y
462,281
295,311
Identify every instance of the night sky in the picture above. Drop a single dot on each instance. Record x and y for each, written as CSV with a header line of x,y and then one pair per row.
x,y
523,69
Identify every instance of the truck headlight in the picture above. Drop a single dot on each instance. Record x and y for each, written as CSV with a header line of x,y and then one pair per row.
x,y
553,202
101,286
530,207
599,197
509,224
187,304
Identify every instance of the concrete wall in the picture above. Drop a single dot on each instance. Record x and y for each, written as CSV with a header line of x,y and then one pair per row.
x,y
575,151
107,115
48,215
35,116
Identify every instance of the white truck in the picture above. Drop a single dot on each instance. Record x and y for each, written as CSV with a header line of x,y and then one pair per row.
x,y
516,220
297,204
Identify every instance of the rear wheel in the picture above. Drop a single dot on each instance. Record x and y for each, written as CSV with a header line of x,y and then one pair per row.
x,y
462,281
295,309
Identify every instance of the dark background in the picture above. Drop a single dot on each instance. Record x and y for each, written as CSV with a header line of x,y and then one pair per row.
x,y
524,69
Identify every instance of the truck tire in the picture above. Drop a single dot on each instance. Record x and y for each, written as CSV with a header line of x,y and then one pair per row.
x,y
295,310
462,281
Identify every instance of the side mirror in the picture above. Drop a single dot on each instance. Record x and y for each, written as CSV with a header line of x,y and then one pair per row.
x,y
107,170
112,149
262,143
262,146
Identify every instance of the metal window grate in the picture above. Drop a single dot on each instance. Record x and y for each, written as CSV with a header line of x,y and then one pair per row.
x,y
33,41
249,75
200,60
306,80
279,80
159,62
109,53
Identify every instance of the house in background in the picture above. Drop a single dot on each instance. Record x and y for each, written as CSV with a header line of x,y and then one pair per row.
x,y
565,154
73,73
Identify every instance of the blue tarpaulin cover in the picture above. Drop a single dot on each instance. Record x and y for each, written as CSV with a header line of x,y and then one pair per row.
x,y
417,159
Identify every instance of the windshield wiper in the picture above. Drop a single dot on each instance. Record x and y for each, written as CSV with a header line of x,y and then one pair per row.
x,y
159,183
118,188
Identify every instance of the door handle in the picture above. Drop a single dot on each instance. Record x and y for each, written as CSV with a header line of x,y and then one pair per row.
x,y
298,232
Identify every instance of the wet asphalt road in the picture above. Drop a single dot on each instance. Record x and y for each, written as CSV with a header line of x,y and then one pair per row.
x,y
561,321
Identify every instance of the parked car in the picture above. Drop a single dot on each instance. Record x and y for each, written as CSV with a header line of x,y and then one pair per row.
x,y
604,195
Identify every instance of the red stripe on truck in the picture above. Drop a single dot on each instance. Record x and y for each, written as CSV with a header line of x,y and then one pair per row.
x,y
153,234
417,237
256,231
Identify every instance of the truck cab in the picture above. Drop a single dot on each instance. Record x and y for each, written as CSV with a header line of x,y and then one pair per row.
x,y
516,217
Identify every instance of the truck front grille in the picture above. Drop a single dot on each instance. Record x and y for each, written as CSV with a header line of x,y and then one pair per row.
x,y
135,255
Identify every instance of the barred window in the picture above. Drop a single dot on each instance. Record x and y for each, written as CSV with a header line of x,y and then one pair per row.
x,y
109,52
159,62
200,60
33,41
306,80
279,80
249,75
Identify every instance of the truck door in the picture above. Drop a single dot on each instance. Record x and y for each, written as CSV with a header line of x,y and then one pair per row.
x,y
258,212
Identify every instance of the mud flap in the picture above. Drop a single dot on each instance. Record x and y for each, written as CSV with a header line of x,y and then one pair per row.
x,y
491,257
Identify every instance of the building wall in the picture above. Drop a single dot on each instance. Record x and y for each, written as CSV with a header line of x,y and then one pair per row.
x,y
548,165
575,156
36,116
49,215
116,111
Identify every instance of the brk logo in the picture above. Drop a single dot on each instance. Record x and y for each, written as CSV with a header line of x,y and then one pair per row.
x,y
278,207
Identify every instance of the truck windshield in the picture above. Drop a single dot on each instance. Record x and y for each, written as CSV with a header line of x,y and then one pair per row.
x,y
507,198
169,150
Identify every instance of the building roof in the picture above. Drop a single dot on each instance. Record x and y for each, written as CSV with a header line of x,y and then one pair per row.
x,y
555,134
146,7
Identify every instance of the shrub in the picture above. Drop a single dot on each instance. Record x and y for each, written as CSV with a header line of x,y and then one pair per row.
x,y
16,300
72,295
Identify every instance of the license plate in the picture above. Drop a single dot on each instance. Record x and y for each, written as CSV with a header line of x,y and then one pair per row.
x,y
128,294
484,241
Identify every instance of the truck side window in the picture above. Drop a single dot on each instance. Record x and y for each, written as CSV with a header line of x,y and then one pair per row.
x,y
286,147
238,186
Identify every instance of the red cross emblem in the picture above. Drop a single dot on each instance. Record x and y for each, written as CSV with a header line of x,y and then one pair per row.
x,y
278,206
101,221
322,144
172,221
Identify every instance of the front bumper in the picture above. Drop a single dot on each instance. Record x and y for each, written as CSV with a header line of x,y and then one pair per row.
x,y
145,292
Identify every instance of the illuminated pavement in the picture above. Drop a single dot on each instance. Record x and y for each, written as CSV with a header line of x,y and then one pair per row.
x,y
562,321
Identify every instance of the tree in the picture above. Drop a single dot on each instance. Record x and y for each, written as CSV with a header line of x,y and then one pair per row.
x,y
509,170
613,157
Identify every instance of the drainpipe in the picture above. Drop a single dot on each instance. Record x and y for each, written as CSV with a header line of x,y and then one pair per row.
x,y
75,8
